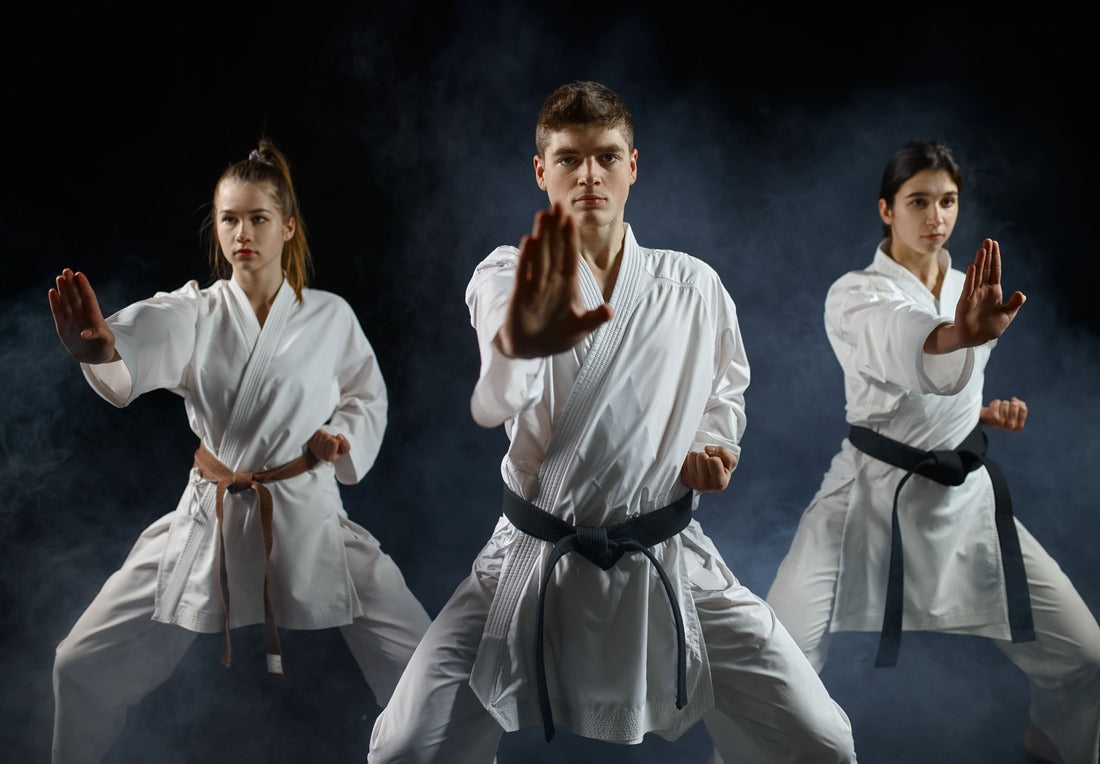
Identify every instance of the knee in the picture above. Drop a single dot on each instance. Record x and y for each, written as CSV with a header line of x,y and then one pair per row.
x,y
841,747
391,742
834,740
67,662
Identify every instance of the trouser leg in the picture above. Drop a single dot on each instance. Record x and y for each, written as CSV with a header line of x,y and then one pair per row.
x,y
113,657
383,639
1063,663
804,590
433,716
770,704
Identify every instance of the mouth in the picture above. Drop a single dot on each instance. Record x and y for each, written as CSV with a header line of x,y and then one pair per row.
x,y
589,200
244,252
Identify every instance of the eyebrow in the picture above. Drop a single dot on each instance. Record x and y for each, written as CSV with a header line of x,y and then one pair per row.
x,y
248,212
609,148
911,194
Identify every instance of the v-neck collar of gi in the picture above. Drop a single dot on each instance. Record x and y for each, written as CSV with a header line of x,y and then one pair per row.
x,y
908,282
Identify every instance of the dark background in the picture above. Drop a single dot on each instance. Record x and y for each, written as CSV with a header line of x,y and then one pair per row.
x,y
761,139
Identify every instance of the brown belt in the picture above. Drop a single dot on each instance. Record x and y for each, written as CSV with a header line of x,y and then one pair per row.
x,y
226,480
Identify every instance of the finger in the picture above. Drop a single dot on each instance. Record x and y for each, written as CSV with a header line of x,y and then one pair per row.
x,y
987,263
995,263
524,273
556,243
716,471
67,292
540,264
55,304
1015,417
592,319
571,242
685,471
88,298
1015,302
968,283
981,264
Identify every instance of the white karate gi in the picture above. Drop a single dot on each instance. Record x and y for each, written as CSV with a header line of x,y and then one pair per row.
x,y
834,576
665,376
254,397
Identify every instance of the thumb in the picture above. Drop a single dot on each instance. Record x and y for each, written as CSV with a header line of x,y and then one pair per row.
x,y
593,319
1015,301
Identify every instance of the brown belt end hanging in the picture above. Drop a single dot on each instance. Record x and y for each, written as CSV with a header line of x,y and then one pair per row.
x,y
214,471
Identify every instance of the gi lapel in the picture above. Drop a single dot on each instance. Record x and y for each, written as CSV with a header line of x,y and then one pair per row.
x,y
264,343
605,341
570,427
173,579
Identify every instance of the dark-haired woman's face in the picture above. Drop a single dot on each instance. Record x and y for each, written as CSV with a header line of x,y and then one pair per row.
x,y
923,214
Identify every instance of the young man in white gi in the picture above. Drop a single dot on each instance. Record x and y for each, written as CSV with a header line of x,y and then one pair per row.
x,y
619,375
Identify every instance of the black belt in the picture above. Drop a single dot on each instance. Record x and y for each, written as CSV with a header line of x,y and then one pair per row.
x,y
947,468
602,547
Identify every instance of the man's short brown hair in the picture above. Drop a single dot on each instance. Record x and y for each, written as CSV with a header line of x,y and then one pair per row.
x,y
582,103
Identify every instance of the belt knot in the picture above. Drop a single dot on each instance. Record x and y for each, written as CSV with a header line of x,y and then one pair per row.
x,y
240,481
594,545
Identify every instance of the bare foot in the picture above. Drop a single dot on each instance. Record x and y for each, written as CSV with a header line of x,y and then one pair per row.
x,y
1039,746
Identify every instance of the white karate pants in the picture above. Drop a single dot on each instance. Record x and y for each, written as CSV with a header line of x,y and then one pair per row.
x,y
116,654
770,704
1062,664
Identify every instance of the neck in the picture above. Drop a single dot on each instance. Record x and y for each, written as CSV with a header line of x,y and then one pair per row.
x,y
602,249
261,289
925,266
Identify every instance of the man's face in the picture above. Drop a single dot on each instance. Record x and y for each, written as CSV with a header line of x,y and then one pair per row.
x,y
588,169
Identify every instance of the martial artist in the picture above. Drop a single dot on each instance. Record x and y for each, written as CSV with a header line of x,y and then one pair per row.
x,y
912,528
284,393
598,604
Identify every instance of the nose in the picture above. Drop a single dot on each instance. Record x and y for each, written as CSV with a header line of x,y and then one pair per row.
x,y
935,214
244,233
590,172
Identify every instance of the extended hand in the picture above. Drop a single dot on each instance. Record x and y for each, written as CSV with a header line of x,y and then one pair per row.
x,y
1004,415
328,448
979,315
78,320
709,470
546,314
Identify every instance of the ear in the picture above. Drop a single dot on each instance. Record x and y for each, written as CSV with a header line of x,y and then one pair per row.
x,y
633,166
289,228
885,212
540,171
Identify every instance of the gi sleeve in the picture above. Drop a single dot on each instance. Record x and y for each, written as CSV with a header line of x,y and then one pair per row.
x,y
505,386
361,412
155,340
878,333
723,421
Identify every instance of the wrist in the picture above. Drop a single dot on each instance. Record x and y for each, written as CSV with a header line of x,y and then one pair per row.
x,y
943,339
503,342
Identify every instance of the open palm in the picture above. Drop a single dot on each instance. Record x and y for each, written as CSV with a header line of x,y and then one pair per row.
x,y
79,321
546,314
